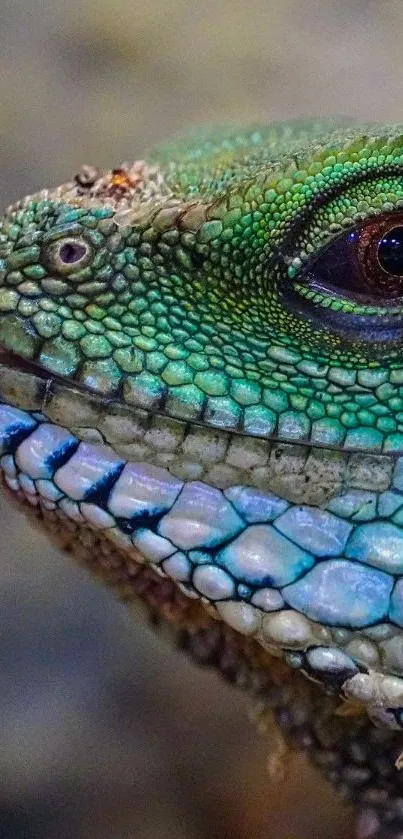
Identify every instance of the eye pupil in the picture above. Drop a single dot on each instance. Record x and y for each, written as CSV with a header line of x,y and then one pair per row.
x,y
390,252
72,252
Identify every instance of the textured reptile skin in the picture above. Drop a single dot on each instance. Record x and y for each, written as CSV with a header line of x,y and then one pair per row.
x,y
202,375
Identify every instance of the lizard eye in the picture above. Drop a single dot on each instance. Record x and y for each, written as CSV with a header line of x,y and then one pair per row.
x,y
69,254
364,265
355,284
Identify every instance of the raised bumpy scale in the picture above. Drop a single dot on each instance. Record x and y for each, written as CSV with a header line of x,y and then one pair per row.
x,y
202,373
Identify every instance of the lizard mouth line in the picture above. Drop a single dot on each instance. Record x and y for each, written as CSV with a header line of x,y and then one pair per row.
x,y
18,362
13,361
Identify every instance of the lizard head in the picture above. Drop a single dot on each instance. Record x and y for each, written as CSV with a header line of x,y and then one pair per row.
x,y
248,290
202,361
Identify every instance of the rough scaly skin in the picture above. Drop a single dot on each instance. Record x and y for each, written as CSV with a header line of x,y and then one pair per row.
x,y
178,390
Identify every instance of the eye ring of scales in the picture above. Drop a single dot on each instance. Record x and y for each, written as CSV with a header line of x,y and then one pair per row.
x,y
201,398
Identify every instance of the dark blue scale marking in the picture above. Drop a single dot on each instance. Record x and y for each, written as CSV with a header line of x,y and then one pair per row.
x,y
60,456
100,491
15,434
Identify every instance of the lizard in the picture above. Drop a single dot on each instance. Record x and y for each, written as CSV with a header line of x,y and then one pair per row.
x,y
201,385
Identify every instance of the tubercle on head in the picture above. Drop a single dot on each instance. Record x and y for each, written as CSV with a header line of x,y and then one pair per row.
x,y
125,185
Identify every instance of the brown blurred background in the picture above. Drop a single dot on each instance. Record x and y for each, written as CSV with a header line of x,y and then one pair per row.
x,y
106,733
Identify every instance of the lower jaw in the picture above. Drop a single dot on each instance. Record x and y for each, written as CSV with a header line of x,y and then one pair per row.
x,y
284,576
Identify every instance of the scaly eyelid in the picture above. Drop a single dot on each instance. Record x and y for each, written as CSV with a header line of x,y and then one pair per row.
x,y
348,209
345,304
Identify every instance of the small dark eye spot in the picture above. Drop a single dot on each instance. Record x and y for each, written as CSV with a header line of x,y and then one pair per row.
x,y
72,252
68,255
